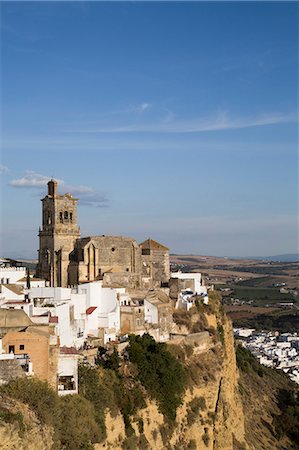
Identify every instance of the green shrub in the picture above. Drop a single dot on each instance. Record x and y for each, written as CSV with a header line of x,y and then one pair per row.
x,y
220,330
247,362
72,417
95,391
159,372
7,416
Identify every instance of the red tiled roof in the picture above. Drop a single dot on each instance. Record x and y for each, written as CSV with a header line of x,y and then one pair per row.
x,y
53,319
90,310
68,350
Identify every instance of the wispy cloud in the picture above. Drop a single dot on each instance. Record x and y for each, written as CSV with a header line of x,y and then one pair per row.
x,y
143,107
3,169
221,121
88,196
30,179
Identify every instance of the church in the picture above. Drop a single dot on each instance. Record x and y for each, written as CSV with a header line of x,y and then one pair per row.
x,y
65,259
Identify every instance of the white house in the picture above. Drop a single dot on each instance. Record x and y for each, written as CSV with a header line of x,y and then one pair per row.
x,y
195,281
67,371
10,275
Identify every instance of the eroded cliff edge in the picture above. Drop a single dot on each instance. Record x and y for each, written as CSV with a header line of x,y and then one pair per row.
x,y
222,408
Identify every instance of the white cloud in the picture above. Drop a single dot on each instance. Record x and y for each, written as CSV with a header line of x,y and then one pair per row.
x,y
221,121
3,169
143,107
30,179
88,196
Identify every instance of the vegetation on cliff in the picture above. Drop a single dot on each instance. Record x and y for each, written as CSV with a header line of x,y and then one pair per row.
x,y
162,375
72,417
276,420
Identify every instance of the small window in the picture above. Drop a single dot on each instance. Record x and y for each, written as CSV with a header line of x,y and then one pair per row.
x,y
60,217
11,349
66,215
22,347
113,249
71,217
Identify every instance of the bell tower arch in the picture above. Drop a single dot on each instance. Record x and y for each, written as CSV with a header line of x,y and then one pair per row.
x,y
57,235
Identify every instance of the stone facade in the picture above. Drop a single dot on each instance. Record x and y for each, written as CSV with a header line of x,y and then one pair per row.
x,y
155,263
57,236
65,259
115,259
35,343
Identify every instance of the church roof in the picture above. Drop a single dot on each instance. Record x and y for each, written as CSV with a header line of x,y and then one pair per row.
x,y
104,240
150,244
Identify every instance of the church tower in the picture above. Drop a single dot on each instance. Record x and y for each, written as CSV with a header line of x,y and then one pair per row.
x,y
57,236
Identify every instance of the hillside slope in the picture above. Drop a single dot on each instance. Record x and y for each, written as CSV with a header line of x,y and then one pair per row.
x,y
217,406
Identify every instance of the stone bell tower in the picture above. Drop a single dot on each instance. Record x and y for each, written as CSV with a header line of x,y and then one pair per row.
x,y
57,235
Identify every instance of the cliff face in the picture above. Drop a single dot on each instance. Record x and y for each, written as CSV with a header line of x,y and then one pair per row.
x,y
222,408
211,416
20,428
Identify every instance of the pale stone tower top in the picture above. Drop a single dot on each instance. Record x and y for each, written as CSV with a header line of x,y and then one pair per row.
x,y
52,187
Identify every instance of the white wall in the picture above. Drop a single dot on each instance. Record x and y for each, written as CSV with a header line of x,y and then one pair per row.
x,y
56,294
8,294
68,366
65,331
92,323
195,277
12,273
150,312
33,283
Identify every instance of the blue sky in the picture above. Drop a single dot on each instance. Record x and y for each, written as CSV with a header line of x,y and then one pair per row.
x,y
177,121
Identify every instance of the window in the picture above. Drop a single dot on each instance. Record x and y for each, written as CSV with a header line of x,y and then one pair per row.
x,y
11,349
71,217
22,347
146,251
113,249
60,217
66,215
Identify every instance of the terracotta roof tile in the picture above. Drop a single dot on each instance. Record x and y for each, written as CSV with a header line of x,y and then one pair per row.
x,y
68,351
90,310
53,319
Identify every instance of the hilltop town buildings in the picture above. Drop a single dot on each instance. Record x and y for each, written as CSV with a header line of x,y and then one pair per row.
x,y
89,291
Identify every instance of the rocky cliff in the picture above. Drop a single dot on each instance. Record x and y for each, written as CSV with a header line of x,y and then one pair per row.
x,y
211,416
222,408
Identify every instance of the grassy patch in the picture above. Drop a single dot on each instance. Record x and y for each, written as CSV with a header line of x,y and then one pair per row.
x,y
7,416
72,417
